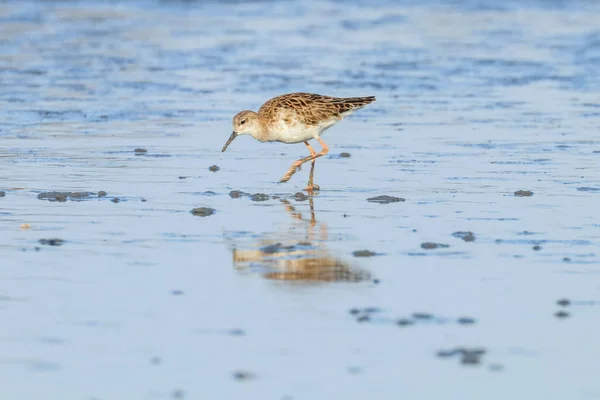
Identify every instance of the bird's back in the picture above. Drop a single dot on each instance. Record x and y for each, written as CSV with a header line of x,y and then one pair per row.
x,y
310,108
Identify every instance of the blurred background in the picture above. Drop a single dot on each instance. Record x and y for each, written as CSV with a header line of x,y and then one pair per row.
x,y
138,261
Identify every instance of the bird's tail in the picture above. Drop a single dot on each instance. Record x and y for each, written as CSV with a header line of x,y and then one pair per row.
x,y
359,101
349,104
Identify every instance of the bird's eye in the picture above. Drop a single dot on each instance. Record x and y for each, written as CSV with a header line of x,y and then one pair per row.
x,y
242,122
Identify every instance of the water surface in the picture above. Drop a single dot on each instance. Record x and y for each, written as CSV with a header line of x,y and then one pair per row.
x,y
268,299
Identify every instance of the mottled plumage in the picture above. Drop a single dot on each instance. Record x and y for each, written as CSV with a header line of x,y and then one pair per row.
x,y
309,109
295,118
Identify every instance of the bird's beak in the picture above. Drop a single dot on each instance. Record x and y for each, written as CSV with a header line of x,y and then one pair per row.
x,y
233,136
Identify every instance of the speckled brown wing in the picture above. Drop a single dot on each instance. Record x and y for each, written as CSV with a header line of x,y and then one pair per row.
x,y
311,109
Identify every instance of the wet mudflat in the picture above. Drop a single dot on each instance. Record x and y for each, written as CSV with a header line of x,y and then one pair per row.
x,y
451,253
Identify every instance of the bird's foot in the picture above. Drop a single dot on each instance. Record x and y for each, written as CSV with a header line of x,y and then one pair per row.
x,y
312,188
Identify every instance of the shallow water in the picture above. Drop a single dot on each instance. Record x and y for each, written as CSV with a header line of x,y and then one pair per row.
x,y
268,299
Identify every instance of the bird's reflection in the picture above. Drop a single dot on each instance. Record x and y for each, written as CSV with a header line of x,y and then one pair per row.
x,y
301,254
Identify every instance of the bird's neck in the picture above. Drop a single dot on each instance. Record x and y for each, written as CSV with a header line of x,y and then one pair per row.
x,y
262,133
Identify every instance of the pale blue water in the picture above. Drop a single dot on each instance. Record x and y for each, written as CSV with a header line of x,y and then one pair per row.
x,y
475,100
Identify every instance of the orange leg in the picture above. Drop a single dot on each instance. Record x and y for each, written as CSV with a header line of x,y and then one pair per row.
x,y
313,155
312,151
311,186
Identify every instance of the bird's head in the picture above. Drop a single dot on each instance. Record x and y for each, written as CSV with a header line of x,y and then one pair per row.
x,y
244,123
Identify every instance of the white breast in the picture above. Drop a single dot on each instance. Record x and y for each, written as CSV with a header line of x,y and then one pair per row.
x,y
292,131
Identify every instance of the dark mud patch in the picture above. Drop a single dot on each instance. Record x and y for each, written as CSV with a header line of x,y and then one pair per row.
x,y
465,321
385,199
140,151
2,193
73,196
260,197
496,367
203,211
423,316
344,155
213,168
300,197
236,194
578,303
527,233
466,356
52,242
242,376
405,322
467,236
588,189
354,370
364,314
155,360
364,253
563,302
432,245
539,242
375,315
207,193
523,193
